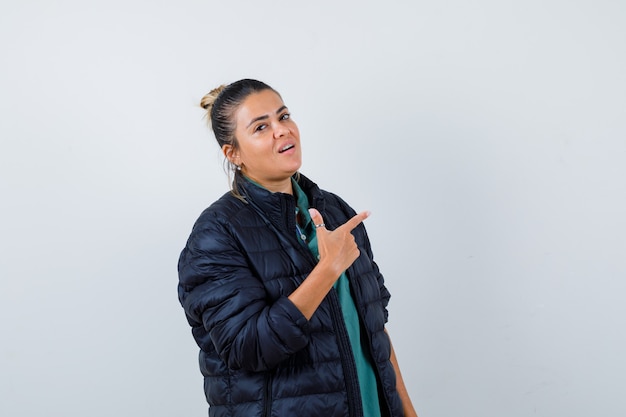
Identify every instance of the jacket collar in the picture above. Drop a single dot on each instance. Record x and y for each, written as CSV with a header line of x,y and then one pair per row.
x,y
280,208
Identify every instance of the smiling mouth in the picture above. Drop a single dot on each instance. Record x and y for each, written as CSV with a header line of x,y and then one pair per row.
x,y
286,148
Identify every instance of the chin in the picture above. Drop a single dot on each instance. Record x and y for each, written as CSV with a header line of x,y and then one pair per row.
x,y
295,169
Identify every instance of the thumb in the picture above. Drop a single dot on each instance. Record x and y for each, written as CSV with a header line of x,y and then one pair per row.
x,y
316,217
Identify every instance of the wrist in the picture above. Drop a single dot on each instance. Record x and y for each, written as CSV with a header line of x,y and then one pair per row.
x,y
329,270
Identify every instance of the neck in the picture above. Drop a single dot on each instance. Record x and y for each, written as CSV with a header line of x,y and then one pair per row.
x,y
283,187
275,186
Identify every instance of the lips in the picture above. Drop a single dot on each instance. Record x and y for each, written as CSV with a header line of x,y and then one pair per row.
x,y
286,148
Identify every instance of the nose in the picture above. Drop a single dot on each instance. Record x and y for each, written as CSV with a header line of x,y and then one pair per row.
x,y
280,130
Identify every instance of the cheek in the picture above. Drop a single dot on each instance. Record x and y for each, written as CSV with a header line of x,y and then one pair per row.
x,y
253,150
295,131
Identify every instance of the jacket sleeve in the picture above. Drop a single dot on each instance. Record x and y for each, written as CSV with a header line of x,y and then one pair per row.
x,y
224,299
384,292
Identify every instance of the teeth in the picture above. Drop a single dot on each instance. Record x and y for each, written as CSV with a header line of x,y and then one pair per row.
x,y
286,147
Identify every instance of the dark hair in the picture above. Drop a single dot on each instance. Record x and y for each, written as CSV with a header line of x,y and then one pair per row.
x,y
221,104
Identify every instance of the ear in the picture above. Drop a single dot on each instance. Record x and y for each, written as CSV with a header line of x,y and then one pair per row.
x,y
231,154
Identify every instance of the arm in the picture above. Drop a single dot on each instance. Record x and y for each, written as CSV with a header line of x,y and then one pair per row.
x,y
407,405
338,250
226,303
225,299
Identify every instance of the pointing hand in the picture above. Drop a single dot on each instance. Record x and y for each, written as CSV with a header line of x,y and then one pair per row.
x,y
337,248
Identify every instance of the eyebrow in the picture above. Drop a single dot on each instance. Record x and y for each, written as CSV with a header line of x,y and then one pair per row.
x,y
256,119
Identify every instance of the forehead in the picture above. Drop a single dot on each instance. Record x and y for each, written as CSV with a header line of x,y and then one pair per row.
x,y
262,103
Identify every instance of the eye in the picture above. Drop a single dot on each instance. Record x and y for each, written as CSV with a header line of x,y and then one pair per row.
x,y
260,127
285,116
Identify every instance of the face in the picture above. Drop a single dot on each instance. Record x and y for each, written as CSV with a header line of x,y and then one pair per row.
x,y
268,140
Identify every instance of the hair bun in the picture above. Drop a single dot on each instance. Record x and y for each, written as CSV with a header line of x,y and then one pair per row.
x,y
209,99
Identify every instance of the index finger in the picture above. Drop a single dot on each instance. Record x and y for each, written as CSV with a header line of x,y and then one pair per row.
x,y
356,220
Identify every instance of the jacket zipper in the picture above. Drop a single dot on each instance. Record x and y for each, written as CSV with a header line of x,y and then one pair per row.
x,y
353,390
267,410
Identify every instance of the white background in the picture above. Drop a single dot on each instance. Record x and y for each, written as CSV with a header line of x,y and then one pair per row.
x,y
488,138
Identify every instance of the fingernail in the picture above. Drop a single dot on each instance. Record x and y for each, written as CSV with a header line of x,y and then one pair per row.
x,y
312,212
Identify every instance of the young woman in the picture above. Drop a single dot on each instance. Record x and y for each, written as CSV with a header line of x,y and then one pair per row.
x,y
278,280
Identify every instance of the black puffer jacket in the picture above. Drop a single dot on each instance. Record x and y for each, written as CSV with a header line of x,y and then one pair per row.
x,y
259,355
